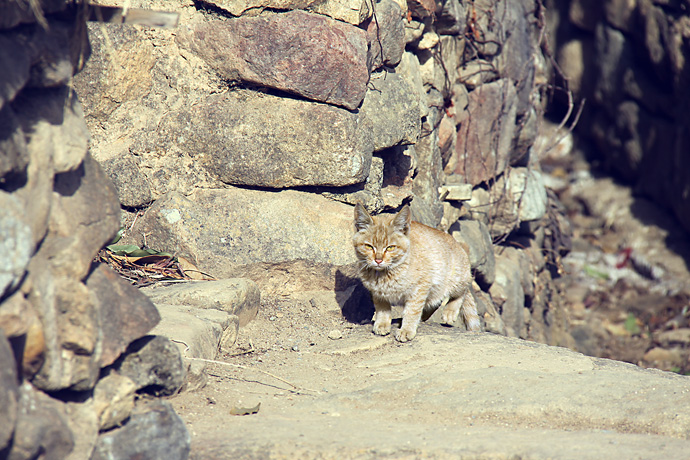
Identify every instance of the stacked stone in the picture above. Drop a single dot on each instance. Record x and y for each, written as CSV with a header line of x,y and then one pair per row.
x,y
629,61
66,325
251,130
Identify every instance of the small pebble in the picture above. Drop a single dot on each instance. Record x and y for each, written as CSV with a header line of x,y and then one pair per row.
x,y
335,334
295,348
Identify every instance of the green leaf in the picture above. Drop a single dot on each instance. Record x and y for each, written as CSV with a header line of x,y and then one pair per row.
x,y
631,324
117,236
595,273
123,249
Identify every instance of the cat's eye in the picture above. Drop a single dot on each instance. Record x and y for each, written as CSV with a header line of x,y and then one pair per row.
x,y
368,246
392,247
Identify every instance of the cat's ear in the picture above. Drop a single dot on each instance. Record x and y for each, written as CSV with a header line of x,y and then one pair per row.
x,y
401,222
362,218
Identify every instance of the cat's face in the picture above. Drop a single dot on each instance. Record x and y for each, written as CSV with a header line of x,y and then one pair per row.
x,y
381,243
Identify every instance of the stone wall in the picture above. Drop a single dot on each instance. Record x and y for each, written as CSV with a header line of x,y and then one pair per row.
x,y
67,325
248,133
629,60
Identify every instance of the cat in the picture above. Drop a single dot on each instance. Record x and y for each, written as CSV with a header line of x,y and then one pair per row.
x,y
408,263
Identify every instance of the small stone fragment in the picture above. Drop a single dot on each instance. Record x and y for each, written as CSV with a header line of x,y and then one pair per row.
x,y
335,334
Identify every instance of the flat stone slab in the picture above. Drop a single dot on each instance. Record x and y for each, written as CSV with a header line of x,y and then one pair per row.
x,y
236,296
446,394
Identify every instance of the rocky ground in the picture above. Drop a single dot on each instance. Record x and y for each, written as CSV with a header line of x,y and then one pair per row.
x,y
303,382
626,281
447,393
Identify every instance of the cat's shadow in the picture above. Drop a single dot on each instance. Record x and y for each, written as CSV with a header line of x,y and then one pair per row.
x,y
353,298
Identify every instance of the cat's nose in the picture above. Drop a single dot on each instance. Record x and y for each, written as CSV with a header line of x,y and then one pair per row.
x,y
378,261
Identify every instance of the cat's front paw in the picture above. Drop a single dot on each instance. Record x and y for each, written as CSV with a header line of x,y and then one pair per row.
x,y
405,334
382,328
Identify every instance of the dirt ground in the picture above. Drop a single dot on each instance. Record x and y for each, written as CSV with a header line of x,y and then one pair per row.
x,y
302,382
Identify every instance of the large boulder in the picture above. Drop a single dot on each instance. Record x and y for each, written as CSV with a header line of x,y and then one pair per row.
x,y
302,53
233,231
248,138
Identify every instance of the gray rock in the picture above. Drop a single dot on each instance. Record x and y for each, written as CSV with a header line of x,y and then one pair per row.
x,y
476,235
9,391
21,323
432,71
237,296
477,72
488,37
70,330
223,230
485,135
15,156
230,333
492,319
153,431
516,49
429,175
409,70
386,35
527,187
52,50
247,138
154,364
450,17
16,242
391,93
508,295
305,54
77,229
54,123
451,50
113,400
83,423
480,205
133,189
414,29
352,11
517,196
421,8
12,14
447,136
125,314
369,193
42,427
15,63
620,14
526,269
614,54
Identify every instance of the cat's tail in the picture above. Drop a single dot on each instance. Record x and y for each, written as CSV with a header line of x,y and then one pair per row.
x,y
469,314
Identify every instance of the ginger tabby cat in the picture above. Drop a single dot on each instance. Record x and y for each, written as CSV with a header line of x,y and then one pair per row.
x,y
407,263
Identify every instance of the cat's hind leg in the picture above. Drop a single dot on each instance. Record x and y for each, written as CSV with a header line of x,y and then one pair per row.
x,y
382,317
452,310
466,305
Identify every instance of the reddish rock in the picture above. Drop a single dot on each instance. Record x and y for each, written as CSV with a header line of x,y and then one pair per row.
x,y
125,313
306,54
485,134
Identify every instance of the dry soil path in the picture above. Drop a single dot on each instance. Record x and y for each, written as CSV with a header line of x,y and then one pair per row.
x,y
447,394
